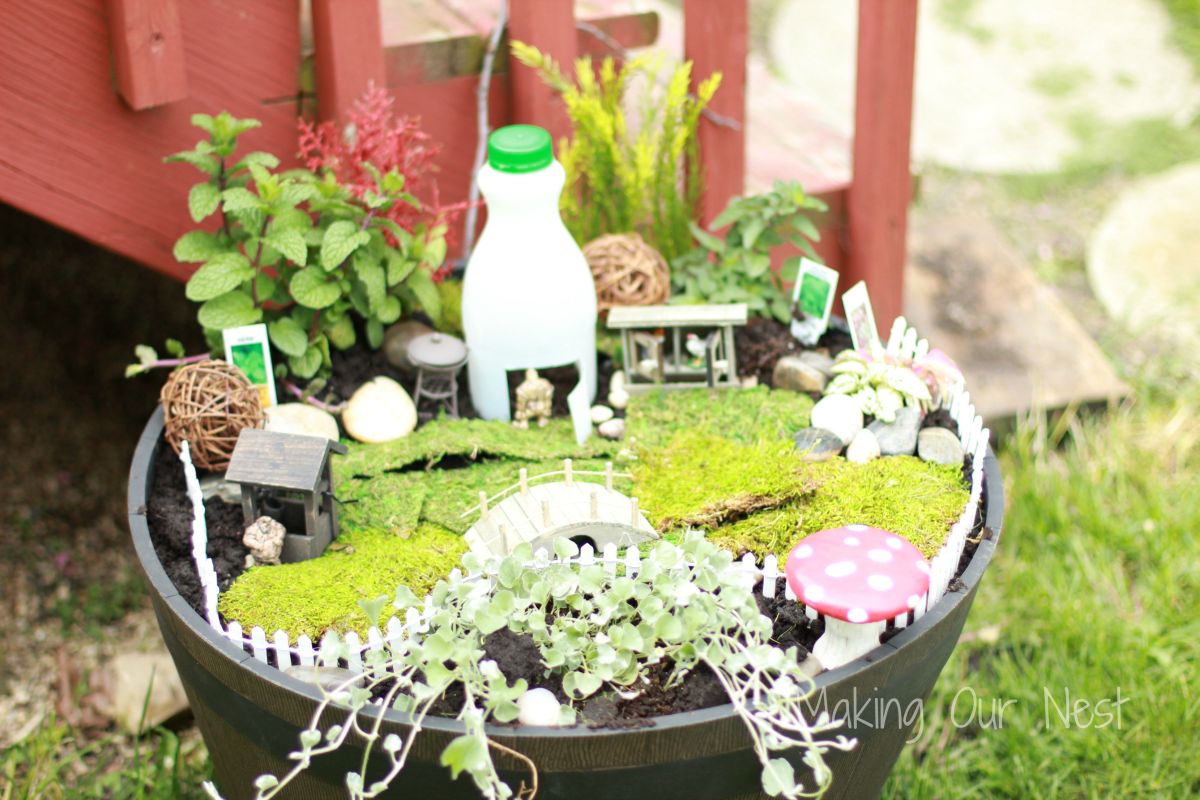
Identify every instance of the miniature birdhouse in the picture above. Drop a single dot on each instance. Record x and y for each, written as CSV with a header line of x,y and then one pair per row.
x,y
287,476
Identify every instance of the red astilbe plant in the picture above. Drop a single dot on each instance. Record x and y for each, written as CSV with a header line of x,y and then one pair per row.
x,y
377,137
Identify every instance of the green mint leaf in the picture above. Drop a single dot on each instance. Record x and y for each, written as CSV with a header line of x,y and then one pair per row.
x,y
374,281
341,239
242,199
256,158
341,333
288,337
306,365
203,200
426,292
398,267
310,289
289,242
230,310
375,330
204,161
196,246
389,311
223,273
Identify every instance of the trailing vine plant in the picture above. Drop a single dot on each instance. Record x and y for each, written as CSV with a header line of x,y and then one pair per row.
x,y
622,178
684,607
306,253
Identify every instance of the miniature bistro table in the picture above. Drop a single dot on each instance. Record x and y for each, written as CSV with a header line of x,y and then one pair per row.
x,y
438,358
700,349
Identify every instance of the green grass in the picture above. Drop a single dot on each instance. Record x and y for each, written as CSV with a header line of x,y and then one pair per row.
x,y
1060,81
1186,31
1095,588
959,15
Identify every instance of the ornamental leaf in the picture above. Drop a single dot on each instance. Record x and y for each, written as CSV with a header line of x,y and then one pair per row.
x,y
311,289
341,239
306,365
203,199
287,335
427,294
341,333
230,310
466,753
223,273
241,199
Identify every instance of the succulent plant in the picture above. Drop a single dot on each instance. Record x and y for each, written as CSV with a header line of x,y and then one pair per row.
x,y
881,386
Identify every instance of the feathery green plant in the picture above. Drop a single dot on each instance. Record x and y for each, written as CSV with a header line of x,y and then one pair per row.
x,y
622,179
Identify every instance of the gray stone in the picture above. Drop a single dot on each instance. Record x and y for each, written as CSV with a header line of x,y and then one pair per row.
x,y
264,539
819,359
817,444
612,429
302,418
396,340
327,679
863,447
793,373
838,413
898,438
939,446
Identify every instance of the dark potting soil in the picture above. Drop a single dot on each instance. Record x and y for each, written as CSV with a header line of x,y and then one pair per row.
x,y
169,516
761,342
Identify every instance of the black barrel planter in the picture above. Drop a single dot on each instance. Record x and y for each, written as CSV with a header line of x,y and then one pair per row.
x,y
250,714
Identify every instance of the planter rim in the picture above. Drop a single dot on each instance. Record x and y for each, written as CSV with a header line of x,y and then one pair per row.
x,y
139,481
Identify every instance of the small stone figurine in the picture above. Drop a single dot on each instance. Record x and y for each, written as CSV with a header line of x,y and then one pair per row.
x,y
535,395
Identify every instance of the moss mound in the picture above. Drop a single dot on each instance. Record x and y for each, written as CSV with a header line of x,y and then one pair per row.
x,y
743,415
762,498
311,597
470,439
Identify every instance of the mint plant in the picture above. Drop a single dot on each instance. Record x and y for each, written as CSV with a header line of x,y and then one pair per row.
x,y
687,606
736,267
300,251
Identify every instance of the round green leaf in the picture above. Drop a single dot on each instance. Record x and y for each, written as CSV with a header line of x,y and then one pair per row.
x,y
287,335
230,310
221,274
306,365
290,242
340,240
196,246
311,289
389,310
341,334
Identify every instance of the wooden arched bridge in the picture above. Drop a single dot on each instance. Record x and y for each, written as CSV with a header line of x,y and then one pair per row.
x,y
537,511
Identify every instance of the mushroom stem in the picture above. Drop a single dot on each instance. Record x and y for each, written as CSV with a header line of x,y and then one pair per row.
x,y
843,642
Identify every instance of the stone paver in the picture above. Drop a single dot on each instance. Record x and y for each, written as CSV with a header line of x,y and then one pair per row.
x,y
1143,260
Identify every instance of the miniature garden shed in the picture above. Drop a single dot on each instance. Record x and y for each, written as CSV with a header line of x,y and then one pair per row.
x,y
282,472
95,94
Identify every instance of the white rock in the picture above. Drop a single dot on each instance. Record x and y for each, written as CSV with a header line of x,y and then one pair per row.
x,y
863,447
538,707
939,446
133,676
618,398
617,381
379,411
601,414
839,413
612,429
302,418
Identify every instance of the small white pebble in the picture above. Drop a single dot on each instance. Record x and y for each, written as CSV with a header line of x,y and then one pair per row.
x,y
618,398
601,414
538,707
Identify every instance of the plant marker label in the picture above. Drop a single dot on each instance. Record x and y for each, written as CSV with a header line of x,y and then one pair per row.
x,y
248,349
861,319
812,300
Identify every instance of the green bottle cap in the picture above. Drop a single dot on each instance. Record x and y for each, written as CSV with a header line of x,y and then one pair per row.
x,y
520,148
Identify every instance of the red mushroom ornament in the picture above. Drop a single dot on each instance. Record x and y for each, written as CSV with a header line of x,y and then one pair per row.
x,y
858,577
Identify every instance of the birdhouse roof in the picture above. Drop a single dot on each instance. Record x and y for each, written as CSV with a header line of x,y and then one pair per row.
x,y
280,460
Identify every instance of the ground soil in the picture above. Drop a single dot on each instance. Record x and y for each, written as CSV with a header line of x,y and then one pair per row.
x,y
762,342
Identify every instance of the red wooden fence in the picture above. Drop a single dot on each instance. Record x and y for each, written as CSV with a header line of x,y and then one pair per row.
x,y
93,95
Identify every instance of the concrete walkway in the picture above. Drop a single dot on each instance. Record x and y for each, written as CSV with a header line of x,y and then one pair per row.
x,y
1027,71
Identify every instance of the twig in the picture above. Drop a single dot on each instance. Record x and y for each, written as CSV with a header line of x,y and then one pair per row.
x,y
312,401
482,127
524,793
612,44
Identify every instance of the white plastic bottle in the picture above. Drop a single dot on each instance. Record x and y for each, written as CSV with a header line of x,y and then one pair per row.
x,y
528,295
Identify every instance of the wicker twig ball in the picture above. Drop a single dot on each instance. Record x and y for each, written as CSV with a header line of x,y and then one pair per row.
x,y
209,404
627,271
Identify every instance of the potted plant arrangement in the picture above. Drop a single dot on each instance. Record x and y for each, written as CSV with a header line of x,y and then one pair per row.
x,y
684,591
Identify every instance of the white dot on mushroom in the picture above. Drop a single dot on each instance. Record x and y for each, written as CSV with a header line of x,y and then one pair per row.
x,y
895,542
840,569
814,593
880,583
921,565
856,615
879,556
851,541
856,527
803,551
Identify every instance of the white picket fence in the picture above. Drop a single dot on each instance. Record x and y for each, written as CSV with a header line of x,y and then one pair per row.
x,y
284,650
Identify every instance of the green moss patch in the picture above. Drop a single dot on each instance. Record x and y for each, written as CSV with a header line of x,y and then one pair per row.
x,y
311,597
743,415
388,502
473,439
705,481
902,494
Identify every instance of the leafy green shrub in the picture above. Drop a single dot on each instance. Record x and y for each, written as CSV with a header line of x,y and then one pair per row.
x,y
736,268
618,179
299,251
